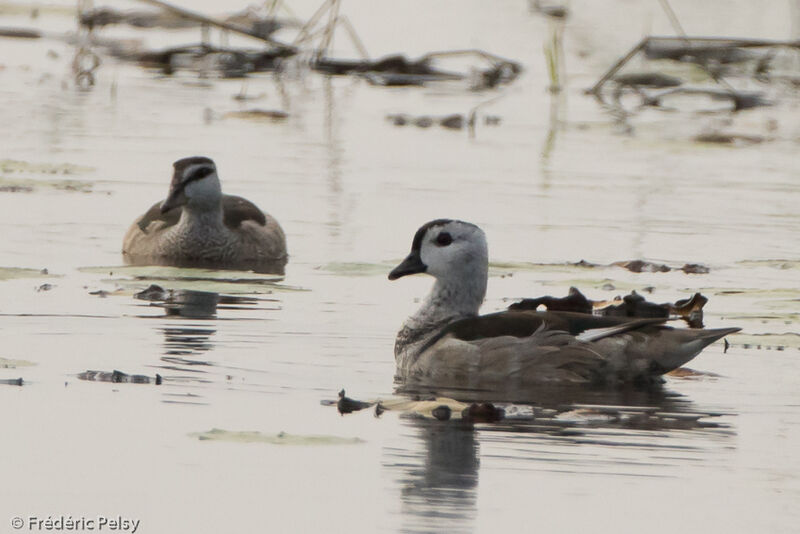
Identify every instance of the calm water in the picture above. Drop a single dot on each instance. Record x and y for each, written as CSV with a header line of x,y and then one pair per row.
x,y
556,181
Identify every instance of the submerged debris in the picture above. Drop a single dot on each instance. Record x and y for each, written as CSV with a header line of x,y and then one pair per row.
x,y
347,405
118,377
398,70
455,121
720,138
258,114
575,301
228,62
105,16
281,438
721,59
647,79
11,381
642,266
153,292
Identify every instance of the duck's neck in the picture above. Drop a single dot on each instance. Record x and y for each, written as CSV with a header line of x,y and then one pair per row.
x,y
451,300
204,218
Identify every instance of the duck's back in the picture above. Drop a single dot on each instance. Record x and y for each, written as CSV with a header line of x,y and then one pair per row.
x,y
248,239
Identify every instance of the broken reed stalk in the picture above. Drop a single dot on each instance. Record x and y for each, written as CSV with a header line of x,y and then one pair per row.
x,y
554,56
673,18
333,16
351,31
305,31
595,90
203,19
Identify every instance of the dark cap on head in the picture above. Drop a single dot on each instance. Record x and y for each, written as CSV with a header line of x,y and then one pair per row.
x,y
413,264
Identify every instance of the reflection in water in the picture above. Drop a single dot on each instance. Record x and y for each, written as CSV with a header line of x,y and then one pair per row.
x,y
439,491
181,343
185,345
648,432
334,151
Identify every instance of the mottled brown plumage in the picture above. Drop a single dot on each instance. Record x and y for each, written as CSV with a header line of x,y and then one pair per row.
x,y
198,226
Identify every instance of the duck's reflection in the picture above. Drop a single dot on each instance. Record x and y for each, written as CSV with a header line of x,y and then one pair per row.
x,y
186,344
439,493
552,429
183,346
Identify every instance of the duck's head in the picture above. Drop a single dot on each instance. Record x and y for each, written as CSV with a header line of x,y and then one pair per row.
x,y
447,250
194,183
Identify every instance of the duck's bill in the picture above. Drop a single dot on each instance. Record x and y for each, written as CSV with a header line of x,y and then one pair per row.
x,y
411,265
174,200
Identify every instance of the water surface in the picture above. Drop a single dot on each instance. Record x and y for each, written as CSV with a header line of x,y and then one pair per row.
x,y
558,180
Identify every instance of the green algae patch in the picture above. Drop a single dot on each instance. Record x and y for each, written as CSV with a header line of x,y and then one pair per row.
x,y
42,8
27,177
11,166
12,273
357,269
281,438
135,278
26,185
7,363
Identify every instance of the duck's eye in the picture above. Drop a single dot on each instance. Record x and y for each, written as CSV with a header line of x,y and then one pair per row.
x,y
443,239
200,173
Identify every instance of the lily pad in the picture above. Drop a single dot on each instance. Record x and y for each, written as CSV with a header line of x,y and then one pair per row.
x,y
281,438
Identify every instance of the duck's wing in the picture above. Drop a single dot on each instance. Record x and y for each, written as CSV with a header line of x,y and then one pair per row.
x,y
154,214
525,323
507,361
237,210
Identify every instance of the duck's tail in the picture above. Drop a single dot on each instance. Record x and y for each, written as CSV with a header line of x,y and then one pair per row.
x,y
686,344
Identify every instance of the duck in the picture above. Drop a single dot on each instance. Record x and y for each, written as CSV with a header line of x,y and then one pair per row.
x,y
447,341
199,226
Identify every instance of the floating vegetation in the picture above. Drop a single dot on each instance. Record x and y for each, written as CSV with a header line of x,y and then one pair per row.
x,y
281,438
258,115
118,377
208,280
484,71
769,341
357,269
720,138
227,62
702,69
12,166
7,363
12,273
455,121
21,184
632,305
441,408
347,405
